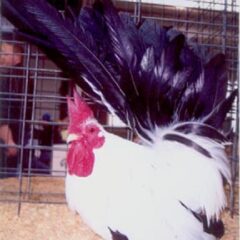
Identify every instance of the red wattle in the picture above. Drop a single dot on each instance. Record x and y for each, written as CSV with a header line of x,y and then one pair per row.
x,y
80,158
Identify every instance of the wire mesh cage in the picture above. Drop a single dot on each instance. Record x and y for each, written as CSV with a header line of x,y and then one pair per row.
x,y
33,92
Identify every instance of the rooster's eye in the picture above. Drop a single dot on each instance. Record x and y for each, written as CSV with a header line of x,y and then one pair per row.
x,y
91,129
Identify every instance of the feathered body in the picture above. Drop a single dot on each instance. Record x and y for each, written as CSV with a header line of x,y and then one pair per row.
x,y
149,192
170,94
139,191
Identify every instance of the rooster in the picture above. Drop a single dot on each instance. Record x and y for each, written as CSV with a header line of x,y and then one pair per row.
x,y
164,88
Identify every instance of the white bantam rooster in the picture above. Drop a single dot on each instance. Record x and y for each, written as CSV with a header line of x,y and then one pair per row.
x,y
162,87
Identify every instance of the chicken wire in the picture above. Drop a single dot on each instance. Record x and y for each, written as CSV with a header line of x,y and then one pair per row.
x,y
40,104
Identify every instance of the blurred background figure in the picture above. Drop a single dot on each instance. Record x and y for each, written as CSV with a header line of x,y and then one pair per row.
x,y
44,135
13,89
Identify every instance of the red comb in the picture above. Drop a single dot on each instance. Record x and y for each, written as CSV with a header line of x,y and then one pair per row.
x,y
78,112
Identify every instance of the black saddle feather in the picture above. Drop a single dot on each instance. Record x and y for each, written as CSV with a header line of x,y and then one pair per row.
x,y
201,130
215,227
116,235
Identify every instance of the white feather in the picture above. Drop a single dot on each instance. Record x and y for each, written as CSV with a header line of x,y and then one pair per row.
x,y
137,190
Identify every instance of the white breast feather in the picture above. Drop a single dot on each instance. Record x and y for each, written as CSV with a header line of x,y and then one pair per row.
x,y
137,190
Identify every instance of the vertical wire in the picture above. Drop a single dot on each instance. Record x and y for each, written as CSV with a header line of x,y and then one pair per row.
x,y
137,12
235,149
1,24
224,25
23,131
29,175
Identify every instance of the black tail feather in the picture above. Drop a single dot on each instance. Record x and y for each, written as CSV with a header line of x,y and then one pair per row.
x,y
217,116
149,76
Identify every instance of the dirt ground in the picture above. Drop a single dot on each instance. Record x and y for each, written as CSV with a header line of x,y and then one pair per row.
x,y
55,221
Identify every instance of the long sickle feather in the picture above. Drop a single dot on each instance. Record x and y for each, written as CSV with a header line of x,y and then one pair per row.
x,y
72,43
147,81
